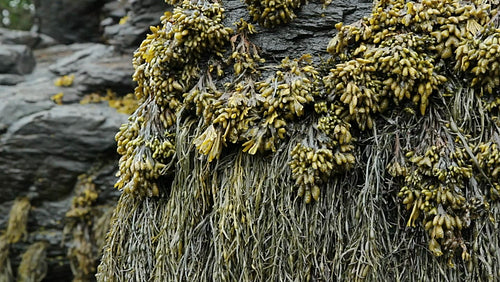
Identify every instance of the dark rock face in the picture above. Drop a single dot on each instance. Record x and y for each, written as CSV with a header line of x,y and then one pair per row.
x,y
55,143
44,147
16,59
97,67
310,32
136,17
41,141
69,21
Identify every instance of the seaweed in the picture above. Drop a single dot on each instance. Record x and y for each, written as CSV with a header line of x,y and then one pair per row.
x,y
18,220
381,164
33,266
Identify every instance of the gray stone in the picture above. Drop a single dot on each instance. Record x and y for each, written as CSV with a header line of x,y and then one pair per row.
x,y
11,79
43,150
145,6
125,35
29,38
46,57
80,54
58,143
109,73
115,9
97,67
45,41
70,21
31,125
140,16
44,147
8,36
107,22
309,32
14,107
17,59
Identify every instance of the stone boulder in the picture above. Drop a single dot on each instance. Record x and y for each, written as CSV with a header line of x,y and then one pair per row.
x,y
70,21
16,59
309,33
39,137
129,24
29,38
59,142
97,67
16,56
45,147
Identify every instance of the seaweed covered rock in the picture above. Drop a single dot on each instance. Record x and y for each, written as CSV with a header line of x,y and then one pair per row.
x,y
273,13
380,158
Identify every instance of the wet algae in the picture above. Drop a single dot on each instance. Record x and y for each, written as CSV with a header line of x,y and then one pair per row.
x,y
380,163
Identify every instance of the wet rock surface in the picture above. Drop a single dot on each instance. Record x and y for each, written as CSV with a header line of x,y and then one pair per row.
x,y
97,67
16,59
43,152
310,32
29,38
46,144
10,79
127,24
69,21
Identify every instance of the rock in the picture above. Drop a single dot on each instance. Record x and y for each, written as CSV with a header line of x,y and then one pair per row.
x,y
80,54
16,59
140,15
109,73
310,32
21,37
37,89
44,150
10,79
97,67
45,41
60,143
46,57
28,38
70,21
125,35
41,143
115,10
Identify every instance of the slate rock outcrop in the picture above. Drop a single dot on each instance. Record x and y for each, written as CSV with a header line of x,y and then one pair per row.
x,y
16,59
45,145
69,21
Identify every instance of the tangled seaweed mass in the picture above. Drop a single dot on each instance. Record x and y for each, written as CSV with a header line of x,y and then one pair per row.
x,y
406,108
